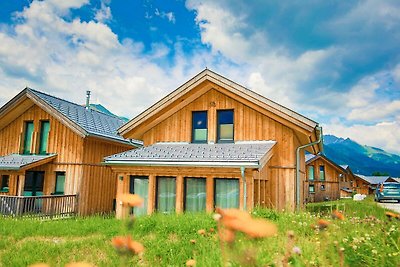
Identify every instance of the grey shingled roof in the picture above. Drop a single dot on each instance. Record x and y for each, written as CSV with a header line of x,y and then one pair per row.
x,y
309,157
373,179
92,121
16,161
248,152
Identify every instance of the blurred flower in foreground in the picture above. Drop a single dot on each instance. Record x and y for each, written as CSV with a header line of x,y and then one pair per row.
x,y
191,263
391,215
131,200
321,224
79,264
338,215
126,244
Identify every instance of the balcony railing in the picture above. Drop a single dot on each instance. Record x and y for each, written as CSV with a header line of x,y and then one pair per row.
x,y
39,206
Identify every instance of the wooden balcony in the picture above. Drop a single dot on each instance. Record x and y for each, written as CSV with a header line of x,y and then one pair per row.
x,y
56,206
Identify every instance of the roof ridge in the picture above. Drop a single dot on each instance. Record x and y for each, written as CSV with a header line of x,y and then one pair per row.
x,y
73,103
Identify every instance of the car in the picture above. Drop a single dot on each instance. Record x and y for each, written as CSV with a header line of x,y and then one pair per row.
x,y
387,191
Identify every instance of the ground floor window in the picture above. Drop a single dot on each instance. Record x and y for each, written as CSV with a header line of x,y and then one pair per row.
x,y
140,185
311,188
4,183
60,183
195,194
226,194
166,194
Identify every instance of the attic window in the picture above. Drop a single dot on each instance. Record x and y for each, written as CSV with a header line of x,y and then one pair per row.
x,y
199,127
44,136
27,148
225,126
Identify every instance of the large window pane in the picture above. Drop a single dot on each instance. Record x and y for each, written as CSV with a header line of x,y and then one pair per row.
x,y
28,137
4,183
199,126
44,136
322,173
60,182
227,193
166,194
310,172
195,198
139,185
225,125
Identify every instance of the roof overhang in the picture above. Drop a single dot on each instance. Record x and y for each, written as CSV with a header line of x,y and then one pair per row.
x,y
17,162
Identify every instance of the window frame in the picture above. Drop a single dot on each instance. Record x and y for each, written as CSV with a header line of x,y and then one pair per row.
x,y
193,127
215,191
59,173
25,150
313,186
322,187
5,177
323,172
132,191
185,191
41,136
156,196
219,126
308,172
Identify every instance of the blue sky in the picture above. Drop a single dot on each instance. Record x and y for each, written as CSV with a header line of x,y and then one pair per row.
x,y
337,62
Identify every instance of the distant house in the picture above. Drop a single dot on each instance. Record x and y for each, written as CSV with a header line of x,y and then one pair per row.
x,y
367,184
212,142
50,147
325,179
393,179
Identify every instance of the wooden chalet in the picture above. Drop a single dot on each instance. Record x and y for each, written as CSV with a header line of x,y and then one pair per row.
x,y
367,184
212,142
325,179
51,152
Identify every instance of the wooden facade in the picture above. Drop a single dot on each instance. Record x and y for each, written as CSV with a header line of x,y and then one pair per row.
x,y
170,120
78,157
324,179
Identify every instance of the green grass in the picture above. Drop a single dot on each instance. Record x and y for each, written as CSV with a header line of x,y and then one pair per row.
x,y
366,235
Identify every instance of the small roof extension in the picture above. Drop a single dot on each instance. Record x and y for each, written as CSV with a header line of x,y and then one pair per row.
x,y
246,154
17,162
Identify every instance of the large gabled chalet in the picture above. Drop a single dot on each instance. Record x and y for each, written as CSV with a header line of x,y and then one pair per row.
x,y
51,148
212,142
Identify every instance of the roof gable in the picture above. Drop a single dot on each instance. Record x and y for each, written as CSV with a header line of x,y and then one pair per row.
x,y
200,84
84,122
311,158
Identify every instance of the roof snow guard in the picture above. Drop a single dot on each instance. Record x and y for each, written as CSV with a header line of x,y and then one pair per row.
x,y
240,154
16,162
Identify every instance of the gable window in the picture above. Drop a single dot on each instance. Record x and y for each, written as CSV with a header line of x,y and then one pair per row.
x,y
44,136
225,125
60,183
322,173
195,194
311,173
4,183
226,193
311,188
139,185
28,137
199,126
166,194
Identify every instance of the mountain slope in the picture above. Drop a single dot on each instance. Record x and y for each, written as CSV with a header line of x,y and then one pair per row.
x,y
361,159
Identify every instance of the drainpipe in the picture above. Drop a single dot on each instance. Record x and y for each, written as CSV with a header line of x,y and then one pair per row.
x,y
242,172
318,128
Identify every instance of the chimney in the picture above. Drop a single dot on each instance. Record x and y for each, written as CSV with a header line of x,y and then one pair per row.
x,y
87,99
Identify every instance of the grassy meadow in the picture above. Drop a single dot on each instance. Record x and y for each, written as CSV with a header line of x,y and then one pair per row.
x,y
365,238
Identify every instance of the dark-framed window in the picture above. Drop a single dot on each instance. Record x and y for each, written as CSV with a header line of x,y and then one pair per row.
x,y
139,185
5,179
322,173
60,183
311,188
225,126
166,194
195,194
44,136
322,187
310,172
226,193
199,127
28,132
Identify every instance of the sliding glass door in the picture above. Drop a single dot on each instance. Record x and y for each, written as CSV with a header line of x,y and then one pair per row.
x,y
139,185
166,194
195,194
226,193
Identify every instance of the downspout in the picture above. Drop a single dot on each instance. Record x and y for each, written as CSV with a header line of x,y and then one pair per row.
x,y
318,128
242,172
